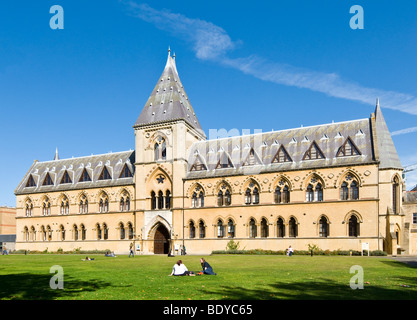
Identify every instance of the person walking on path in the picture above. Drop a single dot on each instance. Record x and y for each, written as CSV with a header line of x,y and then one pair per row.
x,y
131,253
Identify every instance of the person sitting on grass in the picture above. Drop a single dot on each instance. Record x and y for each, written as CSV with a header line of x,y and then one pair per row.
x,y
180,269
207,269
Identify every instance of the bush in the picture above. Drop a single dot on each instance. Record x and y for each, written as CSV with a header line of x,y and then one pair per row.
x,y
302,252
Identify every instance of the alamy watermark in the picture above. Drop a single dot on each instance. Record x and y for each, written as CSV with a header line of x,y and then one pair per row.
x,y
356,282
57,281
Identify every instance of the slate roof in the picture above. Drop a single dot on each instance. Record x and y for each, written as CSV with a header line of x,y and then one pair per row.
x,y
114,162
388,155
328,137
168,100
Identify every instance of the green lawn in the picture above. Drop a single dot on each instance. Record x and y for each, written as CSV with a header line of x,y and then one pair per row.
x,y
239,277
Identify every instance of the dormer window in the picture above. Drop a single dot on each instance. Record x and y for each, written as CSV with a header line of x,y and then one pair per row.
x,y
48,181
105,174
30,182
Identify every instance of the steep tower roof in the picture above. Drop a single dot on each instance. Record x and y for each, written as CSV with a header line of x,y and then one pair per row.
x,y
169,100
388,155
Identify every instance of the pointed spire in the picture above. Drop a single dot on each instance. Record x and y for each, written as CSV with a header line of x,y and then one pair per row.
x,y
169,101
56,157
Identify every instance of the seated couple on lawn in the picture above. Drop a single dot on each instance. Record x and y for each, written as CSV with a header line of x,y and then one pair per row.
x,y
180,269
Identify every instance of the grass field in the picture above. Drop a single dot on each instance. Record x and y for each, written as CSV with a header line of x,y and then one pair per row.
x,y
239,277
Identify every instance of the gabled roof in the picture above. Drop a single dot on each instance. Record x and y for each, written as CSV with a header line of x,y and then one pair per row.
x,y
328,138
74,167
169,101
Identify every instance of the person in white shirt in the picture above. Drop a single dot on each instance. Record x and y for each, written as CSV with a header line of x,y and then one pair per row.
x,y
179,269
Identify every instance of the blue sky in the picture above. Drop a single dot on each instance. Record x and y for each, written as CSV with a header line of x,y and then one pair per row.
x,y
246,65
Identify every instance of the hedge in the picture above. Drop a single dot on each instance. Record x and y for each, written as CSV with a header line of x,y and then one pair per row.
x,y
303,252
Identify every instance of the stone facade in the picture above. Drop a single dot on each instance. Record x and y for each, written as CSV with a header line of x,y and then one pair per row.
x,y
335,185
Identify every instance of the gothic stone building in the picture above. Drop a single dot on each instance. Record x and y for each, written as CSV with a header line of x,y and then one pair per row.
x,y
335,185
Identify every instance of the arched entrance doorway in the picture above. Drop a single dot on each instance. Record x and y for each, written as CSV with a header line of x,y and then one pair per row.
x,y
161,240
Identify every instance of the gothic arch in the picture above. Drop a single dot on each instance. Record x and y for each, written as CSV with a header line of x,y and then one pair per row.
x,y
276,180
152,139
342,175
153,225
218,186
311,175
251,179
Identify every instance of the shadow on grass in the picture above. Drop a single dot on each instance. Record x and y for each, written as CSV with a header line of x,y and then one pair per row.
x,y
27,286
322,289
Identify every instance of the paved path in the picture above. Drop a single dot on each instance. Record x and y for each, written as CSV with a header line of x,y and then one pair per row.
x,y
410,260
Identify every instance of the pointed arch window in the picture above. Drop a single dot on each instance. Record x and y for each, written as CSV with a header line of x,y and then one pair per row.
x,y
201,199
396,195
230,229
220,200
99,232
126,173
349,189
191,227
248,196
220,229
281,156
280,228
29,208
160,151
75,230
253,232
83,232
348,148
198,164
227,198
30,182
252,193
66,178
224,161
323,227
122,231
105,174
130,231
252,159
194,201
160,200
64,206
105,232
49,232
48,180
353,226
62,232
264,228
83,204
103,203
313,153
293,228
153,200
318,192
202,229
85,177
314,190
46,207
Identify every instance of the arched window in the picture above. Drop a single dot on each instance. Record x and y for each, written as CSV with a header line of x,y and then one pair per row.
x,y
280,228
277,195
106,205
122,231
230,229
264,228
220,229
354,190
194,200
353,226
349,182
253,232
293,228
323,227
127,204
344,191
62,232
49,233
105,231
64,206
220,198
130,230
227,198
248,196
309,193
168,200
286,195
201,199
75,229
255,196
29,208
396,195
191,227
26,233
153,200
122,204
99,234
43,232
201,229
83,232
318,192
160,200
160,149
